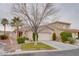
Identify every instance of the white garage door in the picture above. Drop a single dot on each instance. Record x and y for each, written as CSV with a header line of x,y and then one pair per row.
x,y
44,36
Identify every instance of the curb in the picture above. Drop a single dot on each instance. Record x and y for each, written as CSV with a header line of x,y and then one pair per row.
x,y
27,52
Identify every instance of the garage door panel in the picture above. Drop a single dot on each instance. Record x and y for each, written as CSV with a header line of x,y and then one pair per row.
x,y
44,36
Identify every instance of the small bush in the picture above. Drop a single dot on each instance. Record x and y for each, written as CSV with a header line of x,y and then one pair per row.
x,y
54,36
3,37
77,38
21,40
72,41
64,39
26,38
65,36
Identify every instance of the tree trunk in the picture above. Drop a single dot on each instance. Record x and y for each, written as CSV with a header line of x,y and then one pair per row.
x,y
17,32
4,29
36,42
36,38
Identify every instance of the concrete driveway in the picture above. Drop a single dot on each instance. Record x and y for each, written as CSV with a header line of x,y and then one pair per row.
x,y
59,45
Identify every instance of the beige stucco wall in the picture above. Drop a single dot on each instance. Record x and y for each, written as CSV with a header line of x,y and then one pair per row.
x,y
60,25
75,35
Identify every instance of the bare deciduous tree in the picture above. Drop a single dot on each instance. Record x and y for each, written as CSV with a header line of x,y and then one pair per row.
x,y
34,14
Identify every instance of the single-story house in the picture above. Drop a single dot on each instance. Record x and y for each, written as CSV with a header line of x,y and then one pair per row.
x,y
46,31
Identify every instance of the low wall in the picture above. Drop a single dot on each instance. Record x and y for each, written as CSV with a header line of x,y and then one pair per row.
x,y
5,41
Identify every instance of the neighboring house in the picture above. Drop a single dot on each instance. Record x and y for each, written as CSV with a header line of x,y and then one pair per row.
x,y
9,44
11,39
7,33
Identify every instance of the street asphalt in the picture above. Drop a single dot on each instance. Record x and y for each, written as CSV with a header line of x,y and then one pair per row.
x,y
74,52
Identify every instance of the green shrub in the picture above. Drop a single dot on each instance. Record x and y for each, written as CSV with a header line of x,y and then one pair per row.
x,y
3,37
20,40
71,40
26,38
54,36
65,36
34,35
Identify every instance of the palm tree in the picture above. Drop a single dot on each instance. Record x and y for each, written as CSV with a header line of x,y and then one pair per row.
x,y
4,22
16,22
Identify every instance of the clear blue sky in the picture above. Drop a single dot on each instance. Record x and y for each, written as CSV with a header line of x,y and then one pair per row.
x,y
68,13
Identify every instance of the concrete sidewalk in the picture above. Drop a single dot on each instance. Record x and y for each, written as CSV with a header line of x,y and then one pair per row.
x,y
60,45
